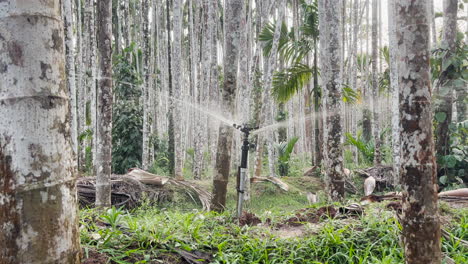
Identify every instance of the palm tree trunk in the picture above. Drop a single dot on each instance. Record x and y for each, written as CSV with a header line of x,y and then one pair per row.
x,y
104,105
421,227
375,86
443,101
38,212
329,26
223,158
392,36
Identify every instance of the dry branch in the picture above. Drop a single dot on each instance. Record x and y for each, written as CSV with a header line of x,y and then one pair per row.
x,y
282,185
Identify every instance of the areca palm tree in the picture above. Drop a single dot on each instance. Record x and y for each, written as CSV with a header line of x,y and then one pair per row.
x,y
292,49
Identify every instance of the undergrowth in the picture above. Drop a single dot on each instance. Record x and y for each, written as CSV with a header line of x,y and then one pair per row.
x,y
155,235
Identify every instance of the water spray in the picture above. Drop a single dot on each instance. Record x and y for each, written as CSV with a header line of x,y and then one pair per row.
x,y
242,174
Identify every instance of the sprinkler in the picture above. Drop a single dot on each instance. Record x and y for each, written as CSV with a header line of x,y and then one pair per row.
x,y
242,174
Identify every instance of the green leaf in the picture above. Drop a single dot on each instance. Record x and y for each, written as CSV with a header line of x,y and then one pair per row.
x,y
440,116
288,82
450,161
443,179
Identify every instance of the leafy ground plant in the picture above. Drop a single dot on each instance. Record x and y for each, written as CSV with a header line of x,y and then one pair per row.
x,y
157,235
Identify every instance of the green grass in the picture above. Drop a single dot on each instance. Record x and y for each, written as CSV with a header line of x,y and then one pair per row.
x,y
150,234
154,234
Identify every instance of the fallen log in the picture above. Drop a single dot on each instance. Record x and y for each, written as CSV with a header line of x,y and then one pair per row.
x,y
147,178
282,185
459,193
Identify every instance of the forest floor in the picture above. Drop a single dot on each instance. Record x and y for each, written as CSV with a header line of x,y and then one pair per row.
x,y
280,228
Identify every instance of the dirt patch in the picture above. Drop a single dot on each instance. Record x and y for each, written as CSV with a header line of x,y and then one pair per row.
x,y
290,231
249,219
94,257
309,215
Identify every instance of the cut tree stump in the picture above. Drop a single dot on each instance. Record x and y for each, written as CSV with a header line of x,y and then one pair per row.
x,y
383,176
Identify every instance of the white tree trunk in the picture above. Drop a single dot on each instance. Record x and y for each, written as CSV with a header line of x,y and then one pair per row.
x,y
177,86
375,85
147,86
392,36
70,37
38,205
267,98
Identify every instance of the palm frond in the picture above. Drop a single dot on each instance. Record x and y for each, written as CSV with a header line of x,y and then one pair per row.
x,y
363,61
350,96
365,148
287,149
288,82
268,34
310,27
385,53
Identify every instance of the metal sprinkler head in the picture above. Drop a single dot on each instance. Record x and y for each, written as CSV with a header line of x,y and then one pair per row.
x,y
245,128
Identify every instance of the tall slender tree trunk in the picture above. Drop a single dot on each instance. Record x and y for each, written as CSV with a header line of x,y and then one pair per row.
x,y
81,90
170,121
317,106
444,101
147,85
104,105
38,211
233,9
392,36
70,34
375,85
177,87
330,40
366,112
420,221
267,98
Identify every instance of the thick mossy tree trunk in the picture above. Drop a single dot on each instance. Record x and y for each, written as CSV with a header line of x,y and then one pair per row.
x,y
223,157
104,105
420,221
330,40
38,212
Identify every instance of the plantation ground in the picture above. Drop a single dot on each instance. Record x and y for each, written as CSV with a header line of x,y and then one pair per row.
x,y
178,232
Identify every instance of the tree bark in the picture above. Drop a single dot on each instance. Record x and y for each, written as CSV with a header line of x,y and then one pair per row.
x,y
267,98
375,86
392,34
177,87
421,227
443,100
38,211
104,105
70,68
329,25
366,112
231,47
147,86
